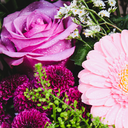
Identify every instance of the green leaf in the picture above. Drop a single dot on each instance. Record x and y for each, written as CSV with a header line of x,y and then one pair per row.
x,y
80,53
121,22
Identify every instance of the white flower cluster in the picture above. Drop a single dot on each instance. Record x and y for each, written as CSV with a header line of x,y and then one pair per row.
x,y
81,15
102,5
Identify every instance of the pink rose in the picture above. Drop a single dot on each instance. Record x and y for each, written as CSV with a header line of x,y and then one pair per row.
x,y
32,35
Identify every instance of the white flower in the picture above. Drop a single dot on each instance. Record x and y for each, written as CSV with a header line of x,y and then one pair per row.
x,y
99,3
112,2
113,31
81,12
91,31
60,12
95,28
75,11
82,19
73,3
88,32
103,13
112,9
75,34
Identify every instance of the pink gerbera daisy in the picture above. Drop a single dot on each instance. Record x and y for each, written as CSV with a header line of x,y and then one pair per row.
x,y
104,80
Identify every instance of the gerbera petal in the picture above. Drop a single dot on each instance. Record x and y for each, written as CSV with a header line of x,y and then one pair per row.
x,y
124,39
110,102
84,99
94,54
117,42
99,68
99,110
119,116
97,102
125,118
108,48
96,93
111,115
93,79
83,87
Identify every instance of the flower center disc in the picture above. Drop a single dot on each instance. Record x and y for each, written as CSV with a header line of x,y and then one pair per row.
x,y
124,80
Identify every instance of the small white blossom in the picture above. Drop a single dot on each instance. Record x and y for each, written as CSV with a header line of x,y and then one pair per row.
x,y
112,32
99,3
112,9
82,19
73,3
60,12
74,34
112,2
88,32
81,12
95,28
103,13
75,11
91,31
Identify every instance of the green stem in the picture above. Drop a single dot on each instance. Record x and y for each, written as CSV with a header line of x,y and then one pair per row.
x,y
15,4
90,12
117,11
54,97
105,22
4,8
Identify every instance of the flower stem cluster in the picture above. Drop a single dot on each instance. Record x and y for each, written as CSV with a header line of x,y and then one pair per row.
x,y
94,23
63,115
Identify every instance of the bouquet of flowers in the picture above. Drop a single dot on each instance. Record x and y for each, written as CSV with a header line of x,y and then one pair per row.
x,y
63,64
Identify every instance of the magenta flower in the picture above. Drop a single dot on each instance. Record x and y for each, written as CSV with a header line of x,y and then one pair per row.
x,y
60,78
104,80
74,94
32,35
20,101
9,84
5,119
30,119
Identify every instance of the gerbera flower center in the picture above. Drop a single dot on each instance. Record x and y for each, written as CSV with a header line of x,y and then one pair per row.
x,y
124,80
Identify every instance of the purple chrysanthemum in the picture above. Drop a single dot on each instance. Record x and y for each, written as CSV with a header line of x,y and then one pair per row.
x,y
20,101
60,78
30,119
9,84
5,119
74,94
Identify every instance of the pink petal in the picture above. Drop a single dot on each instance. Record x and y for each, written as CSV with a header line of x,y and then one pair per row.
x,y
97,102
111,115
94,54
125,118
83,87
84,99
108,48
97,67
110,102
124,39
99,110
55,57
92,79
82,72
97,93
11,17
119,117
117,42
17,62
